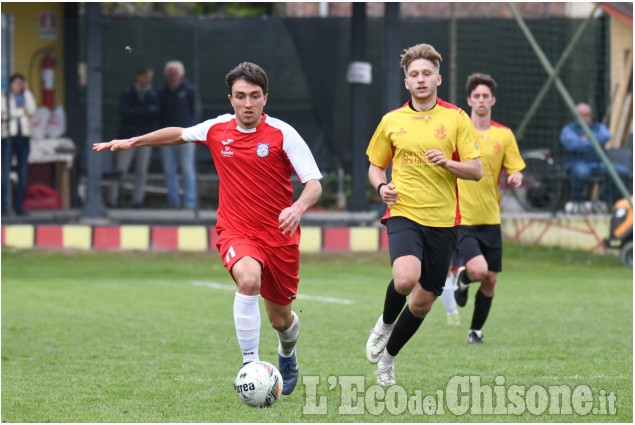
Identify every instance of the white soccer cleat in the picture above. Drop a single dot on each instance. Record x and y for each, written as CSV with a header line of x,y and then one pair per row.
x,y
376,341
385,374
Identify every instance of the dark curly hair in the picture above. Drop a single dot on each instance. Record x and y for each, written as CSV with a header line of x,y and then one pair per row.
x,y
249,72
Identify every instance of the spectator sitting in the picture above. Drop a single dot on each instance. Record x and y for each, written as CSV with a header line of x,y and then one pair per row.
x,y
583,162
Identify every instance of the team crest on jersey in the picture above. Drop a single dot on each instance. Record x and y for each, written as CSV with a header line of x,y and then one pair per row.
x,y
440,132
263,150
497,148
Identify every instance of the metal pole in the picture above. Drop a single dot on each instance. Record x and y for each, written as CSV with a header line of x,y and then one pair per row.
x,y
453,95
8,48
392,83
71,85
552,78
566,97
94,207
198,104
359,105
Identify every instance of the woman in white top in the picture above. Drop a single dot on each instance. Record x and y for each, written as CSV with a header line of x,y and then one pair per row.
x,y
16,139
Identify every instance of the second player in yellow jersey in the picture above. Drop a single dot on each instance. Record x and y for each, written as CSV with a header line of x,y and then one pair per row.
x,y
479,237
480,200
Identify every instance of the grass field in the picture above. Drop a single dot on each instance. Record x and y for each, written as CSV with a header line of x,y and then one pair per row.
x,y
139,337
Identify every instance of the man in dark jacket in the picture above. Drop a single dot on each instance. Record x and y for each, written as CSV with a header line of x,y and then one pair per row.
x,y
179,108
139,107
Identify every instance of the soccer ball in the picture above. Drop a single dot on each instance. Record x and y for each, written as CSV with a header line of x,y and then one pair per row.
x,y
258,384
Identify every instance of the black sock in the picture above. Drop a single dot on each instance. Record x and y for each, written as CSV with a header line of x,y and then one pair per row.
x,y
405,328
463,277
482,304
393,303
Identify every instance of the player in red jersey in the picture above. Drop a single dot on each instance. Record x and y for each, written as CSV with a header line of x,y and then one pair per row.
x,y
258,222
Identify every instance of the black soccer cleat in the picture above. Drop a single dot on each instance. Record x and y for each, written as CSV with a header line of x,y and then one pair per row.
x,y
475,337
460,288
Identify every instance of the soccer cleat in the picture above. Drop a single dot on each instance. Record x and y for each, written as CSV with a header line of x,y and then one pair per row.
x,y
288,367
475,336
460,288
376,341
385,374
454,319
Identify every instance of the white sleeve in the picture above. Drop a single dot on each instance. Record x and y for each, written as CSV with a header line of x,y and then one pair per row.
x,y
300,155
198,133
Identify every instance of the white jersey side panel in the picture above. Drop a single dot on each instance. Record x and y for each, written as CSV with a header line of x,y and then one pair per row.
x,y
198,133
297,150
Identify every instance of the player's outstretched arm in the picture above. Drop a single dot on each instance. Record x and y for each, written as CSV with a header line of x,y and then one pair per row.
x,y
289,218
163,137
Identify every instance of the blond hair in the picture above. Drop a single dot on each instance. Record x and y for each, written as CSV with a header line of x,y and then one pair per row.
x,y
420,51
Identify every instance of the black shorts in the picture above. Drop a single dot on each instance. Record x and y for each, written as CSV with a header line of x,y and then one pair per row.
x,y
432,245
486,240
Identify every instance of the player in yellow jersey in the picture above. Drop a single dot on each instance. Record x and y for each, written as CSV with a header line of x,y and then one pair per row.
x,y
480,246
429,143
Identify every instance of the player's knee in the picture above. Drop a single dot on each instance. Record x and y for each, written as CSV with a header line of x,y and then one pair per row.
x,y
420,310
489,282
477,274
405,283
249,285
280,323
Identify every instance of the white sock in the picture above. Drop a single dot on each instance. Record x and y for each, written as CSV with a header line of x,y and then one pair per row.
x,y
247,321
386,358
447,296
385,327
288,338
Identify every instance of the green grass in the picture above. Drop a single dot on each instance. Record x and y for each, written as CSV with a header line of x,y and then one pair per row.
x,y
125,337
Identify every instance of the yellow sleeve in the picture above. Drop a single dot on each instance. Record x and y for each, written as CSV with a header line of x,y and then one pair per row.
x,y
380,150
512,161
467,139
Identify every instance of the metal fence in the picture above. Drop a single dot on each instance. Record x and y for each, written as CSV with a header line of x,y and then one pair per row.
x,y
307,59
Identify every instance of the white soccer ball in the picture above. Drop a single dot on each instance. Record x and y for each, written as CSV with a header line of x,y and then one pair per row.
x,y
258,384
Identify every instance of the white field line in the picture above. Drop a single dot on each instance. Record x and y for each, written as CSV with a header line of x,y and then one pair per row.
x,y
215,285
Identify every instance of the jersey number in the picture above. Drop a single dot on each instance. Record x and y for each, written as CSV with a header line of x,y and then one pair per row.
x,y
230,254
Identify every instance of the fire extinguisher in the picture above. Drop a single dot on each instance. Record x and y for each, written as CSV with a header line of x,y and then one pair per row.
x,y
48,80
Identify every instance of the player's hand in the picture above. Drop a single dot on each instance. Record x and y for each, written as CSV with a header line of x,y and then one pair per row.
x,y
515,179
113,145
435,156
389,194
289,220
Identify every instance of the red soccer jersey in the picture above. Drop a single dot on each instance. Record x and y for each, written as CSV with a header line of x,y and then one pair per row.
x,y
254,168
